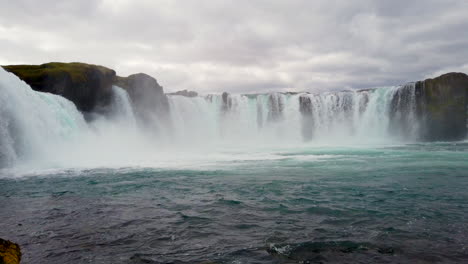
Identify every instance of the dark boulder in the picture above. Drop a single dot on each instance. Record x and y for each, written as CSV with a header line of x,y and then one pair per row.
x,y
10,252
185,93
86,85
442,107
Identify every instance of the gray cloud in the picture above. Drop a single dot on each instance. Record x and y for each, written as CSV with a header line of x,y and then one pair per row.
x,y
244,46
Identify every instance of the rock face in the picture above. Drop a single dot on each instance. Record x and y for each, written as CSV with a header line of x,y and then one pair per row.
x,y
147,96
276,106
227,102
305,107
10,252
442,107
185,93
86,85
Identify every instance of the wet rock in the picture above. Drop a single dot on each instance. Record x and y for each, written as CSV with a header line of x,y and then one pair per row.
x,y
10,252
305,105
276,106
307,122
227,102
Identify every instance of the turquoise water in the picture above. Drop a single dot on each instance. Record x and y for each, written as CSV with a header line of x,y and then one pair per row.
x,y
368,204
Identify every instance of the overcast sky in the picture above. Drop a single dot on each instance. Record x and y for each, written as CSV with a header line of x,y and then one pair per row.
x,y
244,46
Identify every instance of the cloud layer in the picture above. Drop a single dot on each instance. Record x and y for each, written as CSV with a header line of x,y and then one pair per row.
x,y
244,46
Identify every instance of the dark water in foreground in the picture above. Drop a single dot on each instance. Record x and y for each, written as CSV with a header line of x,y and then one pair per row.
x,y
400,204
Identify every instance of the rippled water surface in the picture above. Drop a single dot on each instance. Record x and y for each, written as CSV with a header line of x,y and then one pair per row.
x,y
387,204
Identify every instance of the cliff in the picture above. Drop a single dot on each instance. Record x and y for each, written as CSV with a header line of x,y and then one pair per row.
x,y
443,107
85,85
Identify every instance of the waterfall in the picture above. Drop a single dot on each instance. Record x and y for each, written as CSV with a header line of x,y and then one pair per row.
x,y
121,106
43,129
377,115
236,119
367,115
48,129
31,123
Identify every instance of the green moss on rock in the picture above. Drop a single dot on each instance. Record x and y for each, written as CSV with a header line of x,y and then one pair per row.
x,y
84,84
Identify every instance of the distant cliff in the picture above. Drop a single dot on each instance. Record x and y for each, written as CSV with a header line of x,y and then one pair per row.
x,y
185,93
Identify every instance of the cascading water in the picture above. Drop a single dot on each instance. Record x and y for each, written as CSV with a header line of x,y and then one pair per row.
x,y
46,130
377,115
44,127
241,119
32,123
121,107
362,116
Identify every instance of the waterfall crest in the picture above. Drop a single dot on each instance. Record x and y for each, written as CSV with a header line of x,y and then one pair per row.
x,y
40,126
377,115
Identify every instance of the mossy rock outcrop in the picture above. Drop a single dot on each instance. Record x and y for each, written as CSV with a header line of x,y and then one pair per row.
x,y
442,107
85,85
10,252
89,86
